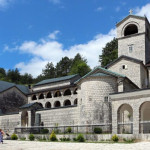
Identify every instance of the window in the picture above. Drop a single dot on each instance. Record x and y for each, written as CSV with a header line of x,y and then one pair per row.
x,y
130,29
106,99
130,48
124,67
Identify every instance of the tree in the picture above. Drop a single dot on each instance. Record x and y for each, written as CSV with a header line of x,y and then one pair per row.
x,y
79,66
109,52
26,79
2,74
13,76
63,67
49,71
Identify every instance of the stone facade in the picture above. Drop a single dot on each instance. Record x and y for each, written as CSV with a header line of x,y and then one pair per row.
x,y
117,95
139,41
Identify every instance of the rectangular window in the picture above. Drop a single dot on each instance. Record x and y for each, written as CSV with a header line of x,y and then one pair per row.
x,y
130,48
106,99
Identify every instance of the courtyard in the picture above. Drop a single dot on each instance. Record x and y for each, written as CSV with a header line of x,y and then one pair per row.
x,y
28,145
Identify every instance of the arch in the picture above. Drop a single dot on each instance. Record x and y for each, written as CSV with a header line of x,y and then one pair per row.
x,y
41,96
130,29
24,119
57,94
67,102
34,97
57,104
41,104
76,101
48,105
144,116
125,119
67,92
49,95
75,91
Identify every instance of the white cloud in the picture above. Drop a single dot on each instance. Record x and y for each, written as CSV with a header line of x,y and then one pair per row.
x,y
53,35
5,3
145,10
99,9
52,51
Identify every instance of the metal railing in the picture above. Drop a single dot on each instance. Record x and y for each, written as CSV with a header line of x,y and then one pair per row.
x,y
125,127
89,129
144,127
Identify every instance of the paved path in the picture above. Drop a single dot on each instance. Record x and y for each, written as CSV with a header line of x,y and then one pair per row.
x,y
27,145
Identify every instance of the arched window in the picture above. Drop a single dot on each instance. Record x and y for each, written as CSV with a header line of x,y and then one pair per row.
x,y
57,94
41,96
144,113
48,105
76,101
40,104
131,29
57,104
67,92
67,103
34,97
49,95
125,119
75,91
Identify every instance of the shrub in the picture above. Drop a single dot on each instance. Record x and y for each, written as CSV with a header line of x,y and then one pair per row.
x,y
75,139
44,138
64,139
115,138
53,136
69,130
128,140
31,137
44,131
22,138
14,137
80,138
97,130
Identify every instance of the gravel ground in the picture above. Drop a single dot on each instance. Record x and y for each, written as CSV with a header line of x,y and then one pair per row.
x,y
28,145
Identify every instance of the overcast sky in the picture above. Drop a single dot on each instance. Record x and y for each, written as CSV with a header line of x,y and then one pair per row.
x,y
34,32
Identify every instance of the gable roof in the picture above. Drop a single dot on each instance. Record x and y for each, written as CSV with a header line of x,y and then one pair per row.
x,y
57,79
34,105
104,72
7,85
124,57
133,16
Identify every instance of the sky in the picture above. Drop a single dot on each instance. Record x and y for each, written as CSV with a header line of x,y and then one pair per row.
x,y
35,32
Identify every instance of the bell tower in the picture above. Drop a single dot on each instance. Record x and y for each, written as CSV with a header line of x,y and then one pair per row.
x,y
133,34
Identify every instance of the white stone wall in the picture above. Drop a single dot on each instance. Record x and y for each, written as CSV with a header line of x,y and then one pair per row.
x,y
139,22
138,43
60,116
93,109
9,122
137,40
135,100
135,72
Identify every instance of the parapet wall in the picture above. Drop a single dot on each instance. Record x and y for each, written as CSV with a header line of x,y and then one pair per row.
x,y
61,116
9,122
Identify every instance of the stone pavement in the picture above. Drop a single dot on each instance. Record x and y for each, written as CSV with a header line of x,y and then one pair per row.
x,y
33,145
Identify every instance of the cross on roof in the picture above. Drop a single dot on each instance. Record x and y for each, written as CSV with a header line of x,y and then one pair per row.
x,y
131,11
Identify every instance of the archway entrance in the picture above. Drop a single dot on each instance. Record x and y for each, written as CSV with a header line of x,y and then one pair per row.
x,y
24,119
125,119
144,113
